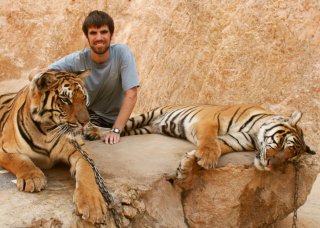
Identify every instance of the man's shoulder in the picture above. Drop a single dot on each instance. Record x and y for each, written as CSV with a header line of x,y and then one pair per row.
x,y
122,48
75,61
81,53
77,55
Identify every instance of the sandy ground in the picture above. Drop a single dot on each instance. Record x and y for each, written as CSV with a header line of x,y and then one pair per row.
x,y
308,214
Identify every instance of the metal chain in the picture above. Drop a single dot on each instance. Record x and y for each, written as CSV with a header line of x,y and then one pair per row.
x,y
116,211
296,194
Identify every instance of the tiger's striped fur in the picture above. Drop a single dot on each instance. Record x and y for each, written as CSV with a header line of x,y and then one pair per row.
x,y
36,126
217,130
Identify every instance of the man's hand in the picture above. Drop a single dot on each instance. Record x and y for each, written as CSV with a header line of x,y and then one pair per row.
x,y
111,138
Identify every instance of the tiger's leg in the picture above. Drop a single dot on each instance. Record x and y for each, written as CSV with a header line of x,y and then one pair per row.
x,y
227,143
96,128
92,132
187,165
208,147
87,196
206,155
29,177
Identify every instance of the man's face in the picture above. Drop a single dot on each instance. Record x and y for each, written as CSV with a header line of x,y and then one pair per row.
x,y
99,39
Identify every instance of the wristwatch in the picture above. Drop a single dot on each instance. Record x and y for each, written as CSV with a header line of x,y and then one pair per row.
x,y
116,130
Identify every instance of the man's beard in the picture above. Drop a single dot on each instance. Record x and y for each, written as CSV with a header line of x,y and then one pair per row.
x,y
101,50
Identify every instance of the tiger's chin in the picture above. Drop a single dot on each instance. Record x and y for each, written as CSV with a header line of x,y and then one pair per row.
x,y
78,131
260,166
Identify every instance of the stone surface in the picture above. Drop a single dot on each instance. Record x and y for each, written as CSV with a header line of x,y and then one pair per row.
x,y
135,172
244,197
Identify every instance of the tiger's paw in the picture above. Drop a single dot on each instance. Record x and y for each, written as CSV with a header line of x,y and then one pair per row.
x,y
207,158
32,181
91,132
90,204
186,165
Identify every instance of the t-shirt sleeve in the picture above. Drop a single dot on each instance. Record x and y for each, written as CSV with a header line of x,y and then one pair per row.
x,y
73,63
129,74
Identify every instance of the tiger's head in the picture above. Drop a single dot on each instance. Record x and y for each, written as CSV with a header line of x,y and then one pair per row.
x,y
280,140
58,101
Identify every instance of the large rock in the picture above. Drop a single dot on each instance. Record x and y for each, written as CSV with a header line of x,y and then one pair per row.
x,y
135,170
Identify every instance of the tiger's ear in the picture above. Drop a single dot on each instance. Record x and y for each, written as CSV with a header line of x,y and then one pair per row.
x,y
309,151
294,118
83,74
36,72
44,80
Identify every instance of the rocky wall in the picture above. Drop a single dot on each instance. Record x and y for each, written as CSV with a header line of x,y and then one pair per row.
x,y
186,51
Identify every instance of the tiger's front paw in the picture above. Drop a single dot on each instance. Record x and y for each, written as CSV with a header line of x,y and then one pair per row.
x,y
91,132
207,157
90,204
31,181
186,165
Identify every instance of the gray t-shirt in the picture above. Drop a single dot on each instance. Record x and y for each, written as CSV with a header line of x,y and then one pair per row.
x,y
108,81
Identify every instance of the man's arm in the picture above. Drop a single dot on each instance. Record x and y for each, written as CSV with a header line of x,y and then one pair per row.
x,y
129,101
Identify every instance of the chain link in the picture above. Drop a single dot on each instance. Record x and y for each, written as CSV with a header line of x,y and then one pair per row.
x,y
116,210
296,194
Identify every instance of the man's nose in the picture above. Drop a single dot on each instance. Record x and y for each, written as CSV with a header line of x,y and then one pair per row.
x,y
99,36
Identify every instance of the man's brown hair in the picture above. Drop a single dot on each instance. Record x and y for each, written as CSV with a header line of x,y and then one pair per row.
x,y
97,19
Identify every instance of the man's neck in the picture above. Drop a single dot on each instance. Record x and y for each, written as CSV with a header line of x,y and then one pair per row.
x,y
99,59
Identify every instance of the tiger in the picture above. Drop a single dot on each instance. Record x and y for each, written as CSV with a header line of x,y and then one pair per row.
x,y
219,129
37,126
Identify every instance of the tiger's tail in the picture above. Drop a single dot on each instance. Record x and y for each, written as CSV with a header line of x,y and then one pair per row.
x,y
139,125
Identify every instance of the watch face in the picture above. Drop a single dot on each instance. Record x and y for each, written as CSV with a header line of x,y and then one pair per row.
x,y
116,130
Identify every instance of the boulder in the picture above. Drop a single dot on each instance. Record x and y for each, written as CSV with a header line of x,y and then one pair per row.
x,y
136,172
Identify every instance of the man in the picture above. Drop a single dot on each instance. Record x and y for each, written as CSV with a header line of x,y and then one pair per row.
x,y
112,85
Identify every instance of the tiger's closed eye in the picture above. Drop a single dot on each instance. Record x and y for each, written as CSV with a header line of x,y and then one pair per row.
x,y
65,100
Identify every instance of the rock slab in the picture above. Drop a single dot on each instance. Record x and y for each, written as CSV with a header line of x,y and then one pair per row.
x,y
233,195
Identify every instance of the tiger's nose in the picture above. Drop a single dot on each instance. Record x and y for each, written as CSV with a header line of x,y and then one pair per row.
x,y
83,122
83,118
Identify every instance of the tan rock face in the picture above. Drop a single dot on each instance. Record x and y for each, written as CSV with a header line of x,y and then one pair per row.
x,y
186,52
225,53
38,33
216,52
244,197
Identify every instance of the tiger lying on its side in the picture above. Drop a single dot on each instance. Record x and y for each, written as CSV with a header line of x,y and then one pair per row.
x,y
37,124
217,130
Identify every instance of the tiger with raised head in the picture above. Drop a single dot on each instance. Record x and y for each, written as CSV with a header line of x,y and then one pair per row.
x,y
36,128
217,130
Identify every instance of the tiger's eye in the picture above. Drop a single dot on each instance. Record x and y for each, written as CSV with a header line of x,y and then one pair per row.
x,y
65,100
